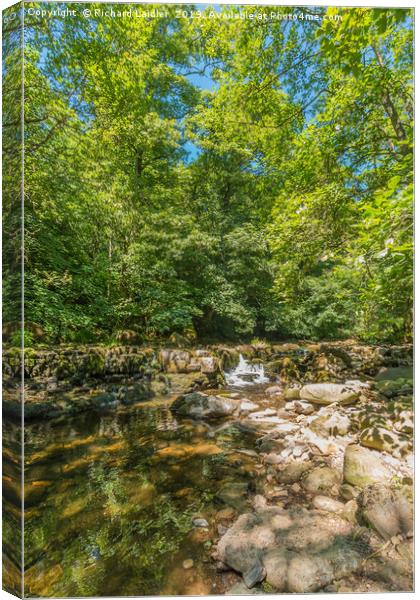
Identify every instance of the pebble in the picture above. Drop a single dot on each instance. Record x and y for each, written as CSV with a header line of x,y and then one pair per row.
x,y
198,522
295,488
188,564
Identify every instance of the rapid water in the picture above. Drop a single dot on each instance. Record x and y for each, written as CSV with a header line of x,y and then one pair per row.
x,y
246,373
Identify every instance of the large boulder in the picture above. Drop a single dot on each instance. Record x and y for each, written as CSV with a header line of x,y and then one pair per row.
x,y
300,550
387,510
201,406
363,467
384,440
329,393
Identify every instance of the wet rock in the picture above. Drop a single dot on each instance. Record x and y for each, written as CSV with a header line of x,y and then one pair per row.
x,y
300,550
321,479
234,494
393,373
387,510
393,388
199,522
227,514
200,406
328,393
293,471
328,504
363,467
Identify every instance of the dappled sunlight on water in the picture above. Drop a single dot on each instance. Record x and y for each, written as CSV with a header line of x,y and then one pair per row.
x,y
110,501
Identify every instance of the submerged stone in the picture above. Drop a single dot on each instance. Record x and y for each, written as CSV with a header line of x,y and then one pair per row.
x,y
201,406
234,494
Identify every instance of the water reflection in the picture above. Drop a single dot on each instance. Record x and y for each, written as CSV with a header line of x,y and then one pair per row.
x,y
110,500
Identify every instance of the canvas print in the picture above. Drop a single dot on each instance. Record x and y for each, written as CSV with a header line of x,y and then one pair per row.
x,y
207,285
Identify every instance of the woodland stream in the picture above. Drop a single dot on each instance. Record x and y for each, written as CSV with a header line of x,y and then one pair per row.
x,y
111,498
143,499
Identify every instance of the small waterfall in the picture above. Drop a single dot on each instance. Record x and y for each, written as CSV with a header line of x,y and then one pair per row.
x,y
246,373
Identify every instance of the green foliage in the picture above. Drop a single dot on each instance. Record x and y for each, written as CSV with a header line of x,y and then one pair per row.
x,y
277,202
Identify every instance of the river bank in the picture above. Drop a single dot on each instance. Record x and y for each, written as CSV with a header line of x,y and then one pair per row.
x,y
68,380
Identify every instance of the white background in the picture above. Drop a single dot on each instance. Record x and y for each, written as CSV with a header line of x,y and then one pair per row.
x,y
384,3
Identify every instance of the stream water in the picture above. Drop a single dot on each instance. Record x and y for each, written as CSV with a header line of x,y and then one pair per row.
x,y
246,373
110,498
